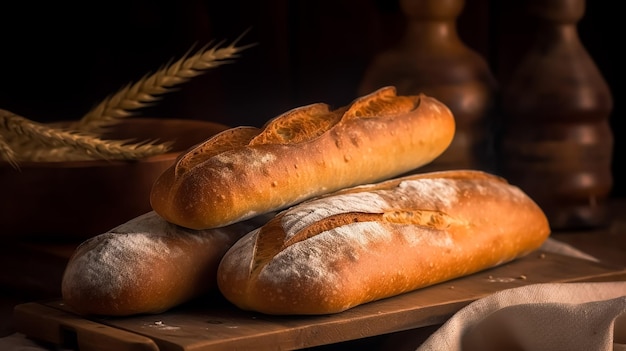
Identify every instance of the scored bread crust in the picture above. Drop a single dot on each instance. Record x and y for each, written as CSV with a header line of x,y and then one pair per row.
x,y
146,265
370,242
303,153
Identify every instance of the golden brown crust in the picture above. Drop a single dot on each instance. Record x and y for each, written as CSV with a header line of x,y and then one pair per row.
x,y
375,241
146,265
306,152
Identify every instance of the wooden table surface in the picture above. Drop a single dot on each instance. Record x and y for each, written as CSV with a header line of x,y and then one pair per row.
x,y
211,323
31,271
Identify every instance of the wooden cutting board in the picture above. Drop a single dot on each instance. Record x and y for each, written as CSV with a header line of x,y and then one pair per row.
x,y
214,324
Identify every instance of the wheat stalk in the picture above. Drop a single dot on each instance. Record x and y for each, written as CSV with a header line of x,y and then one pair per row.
x,y
150,87
7,153
56,138
22,139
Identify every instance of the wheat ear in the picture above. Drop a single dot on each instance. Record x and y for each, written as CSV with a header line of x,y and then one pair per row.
x,y
150,87
89,145
7,153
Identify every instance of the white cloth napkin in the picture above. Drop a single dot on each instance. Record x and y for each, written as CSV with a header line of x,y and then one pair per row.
x,y
540,317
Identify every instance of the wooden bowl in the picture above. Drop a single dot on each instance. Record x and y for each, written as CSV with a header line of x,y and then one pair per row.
x,y
80,199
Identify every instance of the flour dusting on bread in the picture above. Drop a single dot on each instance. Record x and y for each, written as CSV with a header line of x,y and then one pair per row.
x,y
303,153
100,269
374,241
146,265
424,194
113,262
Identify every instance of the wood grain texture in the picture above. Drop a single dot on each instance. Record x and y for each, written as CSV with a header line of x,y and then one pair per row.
x,y
217,325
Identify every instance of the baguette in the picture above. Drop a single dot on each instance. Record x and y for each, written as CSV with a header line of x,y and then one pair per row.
x,y
303,153
146,265
366,243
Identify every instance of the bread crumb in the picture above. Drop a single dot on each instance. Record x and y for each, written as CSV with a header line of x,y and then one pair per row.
x,y
493,279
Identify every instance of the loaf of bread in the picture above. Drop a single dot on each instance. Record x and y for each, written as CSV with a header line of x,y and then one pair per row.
x,y
303,153
332,253
146,265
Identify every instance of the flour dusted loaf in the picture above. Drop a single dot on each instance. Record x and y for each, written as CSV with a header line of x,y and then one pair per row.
x,y
146,265
303,153
370,242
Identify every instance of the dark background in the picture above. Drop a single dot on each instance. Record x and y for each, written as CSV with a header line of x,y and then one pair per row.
x,y
57,60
